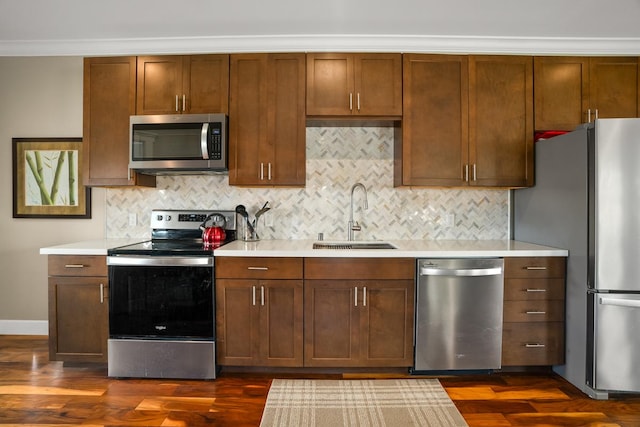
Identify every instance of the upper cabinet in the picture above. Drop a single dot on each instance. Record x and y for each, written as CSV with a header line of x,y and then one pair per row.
x,y
500,121
342,84
267,134
574,90
183,84
468,121
109,99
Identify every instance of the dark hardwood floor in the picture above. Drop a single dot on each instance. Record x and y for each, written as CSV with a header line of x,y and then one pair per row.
x,y
36,392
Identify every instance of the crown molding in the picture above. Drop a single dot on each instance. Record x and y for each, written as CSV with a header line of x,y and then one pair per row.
x,y
325,43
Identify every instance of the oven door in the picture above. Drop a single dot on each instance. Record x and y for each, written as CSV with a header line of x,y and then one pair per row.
x,y
152,297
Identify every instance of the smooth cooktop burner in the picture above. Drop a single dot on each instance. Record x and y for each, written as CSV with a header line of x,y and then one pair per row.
x,y
165,248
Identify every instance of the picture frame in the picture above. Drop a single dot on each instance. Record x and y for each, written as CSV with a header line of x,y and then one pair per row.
x,y
47,179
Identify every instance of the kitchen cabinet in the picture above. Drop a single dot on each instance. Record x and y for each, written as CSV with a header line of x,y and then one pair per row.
x,y
573,90
259,311
109,98
267,133
359,312
534,296
360,84
468,121
182,84
78,308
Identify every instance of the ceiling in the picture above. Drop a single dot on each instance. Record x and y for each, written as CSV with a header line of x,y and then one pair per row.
x,y
86,28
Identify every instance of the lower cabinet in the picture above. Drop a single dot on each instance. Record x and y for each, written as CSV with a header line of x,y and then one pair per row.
x,y
259,311
534,298
358,312
78,308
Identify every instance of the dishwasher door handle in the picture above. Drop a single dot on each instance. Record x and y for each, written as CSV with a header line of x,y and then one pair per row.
x,y
431,271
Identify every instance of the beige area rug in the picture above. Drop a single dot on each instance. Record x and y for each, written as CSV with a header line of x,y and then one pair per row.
x,y
333,403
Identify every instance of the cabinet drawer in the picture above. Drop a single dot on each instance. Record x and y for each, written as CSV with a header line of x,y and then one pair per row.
x,y
77,265
533,267
258,268
533,344
359,268
533,289
534,311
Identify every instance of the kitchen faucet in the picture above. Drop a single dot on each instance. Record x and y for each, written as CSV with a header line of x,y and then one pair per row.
x,y
354,226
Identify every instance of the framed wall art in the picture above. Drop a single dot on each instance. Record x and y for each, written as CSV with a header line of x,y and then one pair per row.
x,y
47,179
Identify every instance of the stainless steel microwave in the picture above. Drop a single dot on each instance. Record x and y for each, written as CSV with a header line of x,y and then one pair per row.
x,y
178,144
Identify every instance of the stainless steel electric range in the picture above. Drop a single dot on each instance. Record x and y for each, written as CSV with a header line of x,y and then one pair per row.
x,y
161,299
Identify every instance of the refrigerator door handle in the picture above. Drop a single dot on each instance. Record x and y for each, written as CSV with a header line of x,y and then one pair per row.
x,y
620,302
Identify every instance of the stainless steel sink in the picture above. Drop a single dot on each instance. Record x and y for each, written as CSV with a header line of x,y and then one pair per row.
x,y
353,245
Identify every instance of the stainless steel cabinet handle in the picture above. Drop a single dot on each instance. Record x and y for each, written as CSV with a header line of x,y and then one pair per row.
x,y
364,296
535,312
535,290
261,171
466,173
101,293
533,267
253,295
74,266
269,171
177,106
534,345
358,101
184,102
475,178
258,268
262,295
425,271
355,297
350,101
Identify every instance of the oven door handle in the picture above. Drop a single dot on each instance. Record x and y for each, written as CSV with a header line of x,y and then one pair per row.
x,y
169,261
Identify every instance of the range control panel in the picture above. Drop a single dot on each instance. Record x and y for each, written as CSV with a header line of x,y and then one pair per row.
x,y
188,220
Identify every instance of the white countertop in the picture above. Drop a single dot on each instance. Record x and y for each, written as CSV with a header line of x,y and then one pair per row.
x,y
304,248
405,249
89,247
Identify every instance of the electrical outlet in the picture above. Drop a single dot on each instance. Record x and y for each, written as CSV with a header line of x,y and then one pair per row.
x,y
449,219
133,220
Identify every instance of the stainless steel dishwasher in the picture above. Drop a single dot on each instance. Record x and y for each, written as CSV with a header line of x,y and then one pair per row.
x,y
459,314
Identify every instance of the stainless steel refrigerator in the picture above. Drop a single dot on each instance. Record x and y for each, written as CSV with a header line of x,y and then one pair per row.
x,y
586,199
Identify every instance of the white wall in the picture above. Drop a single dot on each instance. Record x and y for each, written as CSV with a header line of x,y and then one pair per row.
x,y
41,97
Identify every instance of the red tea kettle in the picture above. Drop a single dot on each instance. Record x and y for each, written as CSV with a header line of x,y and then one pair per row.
x,y
214,235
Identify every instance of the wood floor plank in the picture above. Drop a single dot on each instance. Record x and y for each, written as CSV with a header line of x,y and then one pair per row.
x,y
36,392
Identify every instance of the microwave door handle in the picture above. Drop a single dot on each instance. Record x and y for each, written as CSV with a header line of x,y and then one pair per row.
x,y
204,147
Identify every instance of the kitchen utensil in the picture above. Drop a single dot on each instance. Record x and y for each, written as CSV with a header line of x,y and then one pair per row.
x,y
250,234
260,212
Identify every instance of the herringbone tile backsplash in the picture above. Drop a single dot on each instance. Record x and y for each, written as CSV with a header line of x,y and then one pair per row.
x,y
337,158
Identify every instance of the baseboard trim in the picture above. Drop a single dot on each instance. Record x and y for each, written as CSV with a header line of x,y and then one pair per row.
x,y
24,327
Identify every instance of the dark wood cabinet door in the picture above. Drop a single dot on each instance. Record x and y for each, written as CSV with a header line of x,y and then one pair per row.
x,y
345,84
378,84
434,147
267,120
561,92
109,99
501,121
331,324
247,118
159,85
206,84
78,319
614,87
281,309
286,120
386,323
237,316
259,322
329,84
